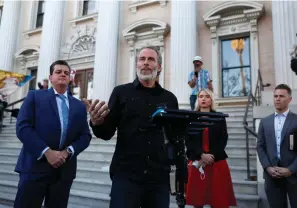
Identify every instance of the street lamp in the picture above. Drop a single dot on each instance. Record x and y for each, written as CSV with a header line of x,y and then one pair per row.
x,y
238,46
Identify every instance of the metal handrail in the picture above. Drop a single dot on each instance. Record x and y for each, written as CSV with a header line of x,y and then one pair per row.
x,y
6,110
252,100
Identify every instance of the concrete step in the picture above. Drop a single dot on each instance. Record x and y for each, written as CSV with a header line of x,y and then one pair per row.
x,y
239,150
90,199
240,172
101,153
105,153
240,186
236,131
234,139
242,141
240,160
239,118
5,206
102,174
95,164
77,199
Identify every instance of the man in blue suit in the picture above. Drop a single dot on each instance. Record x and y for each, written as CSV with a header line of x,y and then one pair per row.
x,y
53,127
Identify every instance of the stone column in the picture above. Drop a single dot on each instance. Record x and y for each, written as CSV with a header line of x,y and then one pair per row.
x,y
106,56
284,21
52,32
9,33
183,47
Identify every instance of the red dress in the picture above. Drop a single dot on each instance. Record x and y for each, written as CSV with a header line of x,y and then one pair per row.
x,y
215,189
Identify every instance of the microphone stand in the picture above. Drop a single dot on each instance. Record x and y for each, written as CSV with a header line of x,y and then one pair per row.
x,y
177,126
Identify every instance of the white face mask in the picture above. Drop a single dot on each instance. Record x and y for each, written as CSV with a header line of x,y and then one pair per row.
x,y
202,173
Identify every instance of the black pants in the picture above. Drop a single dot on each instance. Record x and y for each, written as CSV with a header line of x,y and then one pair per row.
x,y
277,191
129,194
32,192
193,99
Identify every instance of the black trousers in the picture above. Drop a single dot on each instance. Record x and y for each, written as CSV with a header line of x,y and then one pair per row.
x,y
193,99
33,190
277,191
130,194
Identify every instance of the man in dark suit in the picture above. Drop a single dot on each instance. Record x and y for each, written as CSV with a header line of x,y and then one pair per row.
x,y
273,146
53,127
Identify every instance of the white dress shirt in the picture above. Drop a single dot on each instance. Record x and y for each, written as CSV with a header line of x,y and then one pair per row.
x,y
279,121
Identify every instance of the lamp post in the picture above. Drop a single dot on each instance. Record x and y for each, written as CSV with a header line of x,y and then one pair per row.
x,y
238,46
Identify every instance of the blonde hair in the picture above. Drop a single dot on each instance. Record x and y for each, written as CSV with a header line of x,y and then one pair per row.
x,y
210,93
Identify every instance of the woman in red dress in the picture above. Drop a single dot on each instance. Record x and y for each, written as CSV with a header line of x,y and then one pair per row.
x,y
209,178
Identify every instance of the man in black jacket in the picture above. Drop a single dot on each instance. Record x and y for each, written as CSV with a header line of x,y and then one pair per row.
x,y
139,168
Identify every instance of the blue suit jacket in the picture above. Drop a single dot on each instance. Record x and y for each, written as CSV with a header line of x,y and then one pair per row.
x,y
38,126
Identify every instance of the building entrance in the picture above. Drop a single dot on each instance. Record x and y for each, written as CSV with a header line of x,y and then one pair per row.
x,y
83,84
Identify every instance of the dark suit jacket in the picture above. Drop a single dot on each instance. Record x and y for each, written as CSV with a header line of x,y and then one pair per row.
x,y
266,145
38,126
218,137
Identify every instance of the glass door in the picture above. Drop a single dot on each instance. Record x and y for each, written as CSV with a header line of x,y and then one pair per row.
x,y
89,82
83,84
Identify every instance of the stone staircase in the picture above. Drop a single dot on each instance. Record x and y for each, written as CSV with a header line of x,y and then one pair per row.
x,y
92,186
245,190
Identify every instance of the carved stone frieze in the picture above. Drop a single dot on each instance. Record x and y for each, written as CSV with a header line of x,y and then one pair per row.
x,y
82,41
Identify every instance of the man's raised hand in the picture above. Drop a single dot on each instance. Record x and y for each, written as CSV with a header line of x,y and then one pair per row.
x,y
97,110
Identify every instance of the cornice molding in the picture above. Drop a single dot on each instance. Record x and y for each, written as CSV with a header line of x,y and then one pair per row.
x,y
158,30
243,11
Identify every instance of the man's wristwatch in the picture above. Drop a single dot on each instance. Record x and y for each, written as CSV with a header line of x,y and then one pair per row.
x,y
69,151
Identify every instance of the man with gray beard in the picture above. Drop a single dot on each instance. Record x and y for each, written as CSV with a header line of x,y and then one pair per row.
x,y
139,170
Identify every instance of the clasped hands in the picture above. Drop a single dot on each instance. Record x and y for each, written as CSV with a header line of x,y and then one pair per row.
x,y
97,110
278,172
206,159
56,158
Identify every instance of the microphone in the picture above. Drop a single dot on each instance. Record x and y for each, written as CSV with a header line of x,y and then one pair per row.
x,y
196,74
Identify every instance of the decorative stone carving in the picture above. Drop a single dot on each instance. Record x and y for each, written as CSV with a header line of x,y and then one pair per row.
x,y
27,57
140,3
158,31
243,11
83,45
82,41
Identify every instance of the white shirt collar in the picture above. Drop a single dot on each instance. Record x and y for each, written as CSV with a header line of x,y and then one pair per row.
x,y
284,113
65,94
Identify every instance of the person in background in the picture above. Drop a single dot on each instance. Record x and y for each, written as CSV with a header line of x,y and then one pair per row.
x,y
54,130
209,180
139,169
199,79
43,86
275,136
